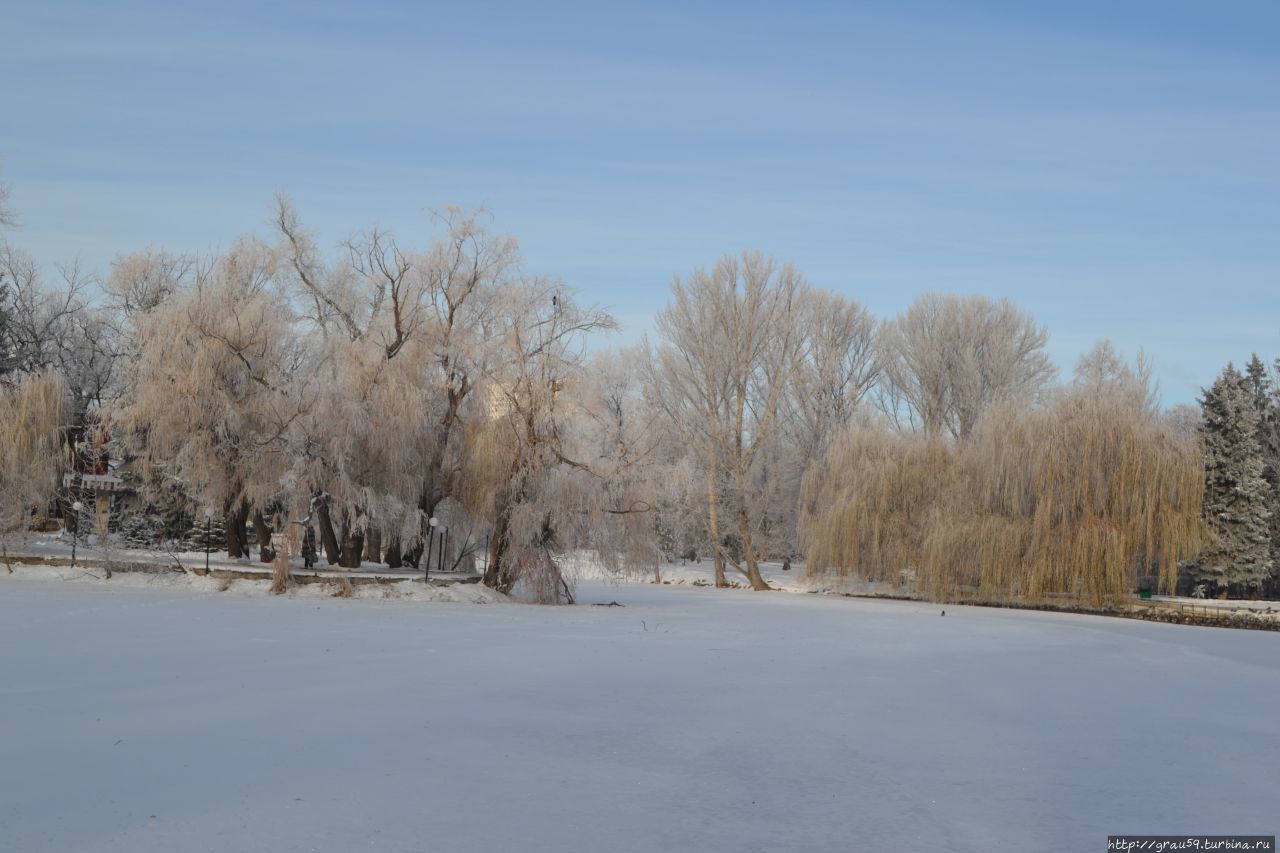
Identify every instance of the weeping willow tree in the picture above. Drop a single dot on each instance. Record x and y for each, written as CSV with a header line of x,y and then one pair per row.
x,y
404,340
869,505
215,387
1078,497
535,475
31,414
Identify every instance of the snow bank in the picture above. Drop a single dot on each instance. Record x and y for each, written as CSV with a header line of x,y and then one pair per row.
x,y
407,590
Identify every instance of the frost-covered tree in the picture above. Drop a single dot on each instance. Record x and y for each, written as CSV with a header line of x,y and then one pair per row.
x,y
32,412
837,370
947,359
470,280
1266,402
685,378
619,435
216,387
730,343
451,385
8,219
7,348
680,508
142,281
1260,392
49,325
361,308
52,326
526,453
1236,494
1102,368
408,338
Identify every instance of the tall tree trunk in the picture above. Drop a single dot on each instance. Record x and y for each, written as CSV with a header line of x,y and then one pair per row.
x,y
749,551
352,544
373,546
394,559
328,539
496,574
229,534
713,524
657,556
263,533
237,535
437,485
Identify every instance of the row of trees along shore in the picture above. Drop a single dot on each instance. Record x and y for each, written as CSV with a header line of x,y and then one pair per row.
x,y
361,390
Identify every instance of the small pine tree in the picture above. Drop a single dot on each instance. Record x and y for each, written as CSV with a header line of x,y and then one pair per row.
x,y
176,522
207,534
142,531
1236,495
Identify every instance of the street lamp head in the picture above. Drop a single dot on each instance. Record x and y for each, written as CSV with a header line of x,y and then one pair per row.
x,y
77,506
433,521
208,512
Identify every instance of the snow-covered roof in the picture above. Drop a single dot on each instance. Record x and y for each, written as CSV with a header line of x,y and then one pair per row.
x,y
93,482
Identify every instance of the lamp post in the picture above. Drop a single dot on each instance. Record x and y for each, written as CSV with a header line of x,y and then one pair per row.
x,y
444,538
208,534
431,541
75,530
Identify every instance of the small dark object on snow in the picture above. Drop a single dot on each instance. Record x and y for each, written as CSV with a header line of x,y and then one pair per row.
x,y
608,604
944,613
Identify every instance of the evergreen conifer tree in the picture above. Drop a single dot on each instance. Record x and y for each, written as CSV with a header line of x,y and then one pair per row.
x,y
1236,495
207,534
142,531
1266,402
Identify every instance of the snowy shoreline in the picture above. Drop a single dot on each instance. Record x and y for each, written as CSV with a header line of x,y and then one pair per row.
x,y
50,560
250,581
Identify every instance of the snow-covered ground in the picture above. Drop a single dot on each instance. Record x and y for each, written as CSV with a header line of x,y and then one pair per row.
x,y
413,590
56,549
702,572
796,579
144,718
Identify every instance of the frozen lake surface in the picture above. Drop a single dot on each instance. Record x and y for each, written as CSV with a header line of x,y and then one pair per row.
x,y
136,719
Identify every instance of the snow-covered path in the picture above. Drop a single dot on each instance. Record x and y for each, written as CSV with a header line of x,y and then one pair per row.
x,y
690,719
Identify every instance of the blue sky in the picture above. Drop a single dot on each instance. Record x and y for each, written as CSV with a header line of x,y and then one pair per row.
x,y
1112,167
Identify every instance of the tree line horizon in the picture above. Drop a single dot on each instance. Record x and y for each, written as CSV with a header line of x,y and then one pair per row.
x,y
359,390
